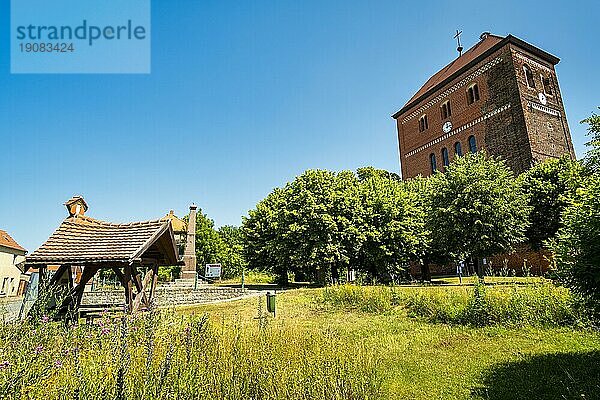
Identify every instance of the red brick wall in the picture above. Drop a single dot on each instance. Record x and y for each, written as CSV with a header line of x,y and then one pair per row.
x,y
502,121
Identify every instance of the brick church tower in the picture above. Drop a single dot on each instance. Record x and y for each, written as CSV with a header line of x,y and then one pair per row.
x,y
501,95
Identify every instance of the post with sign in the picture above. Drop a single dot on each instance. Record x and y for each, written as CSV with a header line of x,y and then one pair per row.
x,y
213,271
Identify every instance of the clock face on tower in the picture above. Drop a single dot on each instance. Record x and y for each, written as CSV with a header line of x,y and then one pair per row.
x,y
542,98
447,127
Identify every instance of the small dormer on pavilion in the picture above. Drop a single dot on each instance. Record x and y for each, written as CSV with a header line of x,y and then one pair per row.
x,y
76,206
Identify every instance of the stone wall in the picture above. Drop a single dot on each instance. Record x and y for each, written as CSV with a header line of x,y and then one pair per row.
x,y
167,298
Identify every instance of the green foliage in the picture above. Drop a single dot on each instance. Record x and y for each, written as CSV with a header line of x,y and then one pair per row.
x,y
592,157
577,247
305,353
223,245
393,228
167,274
478,305
157,356
324,223
375,299
308,228
475,209
231,253
549,186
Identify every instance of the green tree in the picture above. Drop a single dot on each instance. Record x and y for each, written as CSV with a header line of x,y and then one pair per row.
x,y
308,228
231,254
577,247
549,186
592,158
476,209
433,248
263,250
317,228
392,223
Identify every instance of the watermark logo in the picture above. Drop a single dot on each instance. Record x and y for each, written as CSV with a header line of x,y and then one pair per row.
x,y
80,36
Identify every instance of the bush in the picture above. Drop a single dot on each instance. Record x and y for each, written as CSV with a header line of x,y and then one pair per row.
x,y
374,299
516,305
576,248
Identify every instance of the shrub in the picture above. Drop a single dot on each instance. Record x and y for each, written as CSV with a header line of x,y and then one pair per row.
x,y
576,248
374,299
538,304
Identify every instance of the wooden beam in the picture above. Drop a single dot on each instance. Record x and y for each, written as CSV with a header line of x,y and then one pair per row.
x,y
141,296
153,284
119,275
74,295
128,287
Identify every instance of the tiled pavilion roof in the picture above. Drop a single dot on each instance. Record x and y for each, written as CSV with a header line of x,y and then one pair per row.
x,y
81,239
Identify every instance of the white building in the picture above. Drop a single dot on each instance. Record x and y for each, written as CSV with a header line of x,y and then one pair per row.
x,y
12,280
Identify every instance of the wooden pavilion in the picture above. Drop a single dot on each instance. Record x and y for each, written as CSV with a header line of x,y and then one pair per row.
x,y
90,245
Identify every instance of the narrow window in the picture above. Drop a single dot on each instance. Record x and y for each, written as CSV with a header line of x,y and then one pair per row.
x,y
458,149
529,76
423,123
446,111
433,163
472,144
445,158
472,94
547,85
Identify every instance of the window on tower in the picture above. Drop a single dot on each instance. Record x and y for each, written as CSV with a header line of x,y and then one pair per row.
x,y
433,163
472,94
423,125
472,144
547,85
458,149
446,110
529,76
445,157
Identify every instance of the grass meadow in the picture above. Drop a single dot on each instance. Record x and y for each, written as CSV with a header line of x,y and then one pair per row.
x,y
498,342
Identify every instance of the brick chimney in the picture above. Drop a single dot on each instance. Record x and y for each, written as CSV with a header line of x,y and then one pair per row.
x,y
189,254
76,206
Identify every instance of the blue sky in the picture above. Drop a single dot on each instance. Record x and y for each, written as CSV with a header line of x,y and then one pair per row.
x,y
243,97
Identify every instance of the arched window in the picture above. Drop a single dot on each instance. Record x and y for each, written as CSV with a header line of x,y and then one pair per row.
x,y
547,85
433,163
472,94
446,110
423,125
457,149
472,144
529,76
445,157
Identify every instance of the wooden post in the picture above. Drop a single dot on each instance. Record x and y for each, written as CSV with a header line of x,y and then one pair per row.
x,y
127,285
72,300
141,297
154,283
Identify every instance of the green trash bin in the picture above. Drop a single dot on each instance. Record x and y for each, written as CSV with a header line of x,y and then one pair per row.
x,y
271,303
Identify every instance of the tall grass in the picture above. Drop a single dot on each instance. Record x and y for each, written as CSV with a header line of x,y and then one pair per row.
x,y
158,356
536,305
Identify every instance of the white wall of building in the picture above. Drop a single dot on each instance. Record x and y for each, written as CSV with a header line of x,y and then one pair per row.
x,y
10,275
